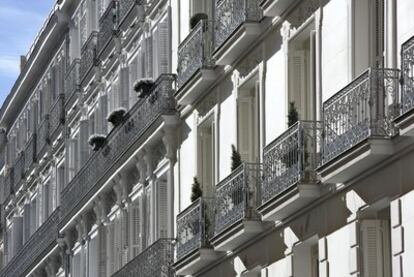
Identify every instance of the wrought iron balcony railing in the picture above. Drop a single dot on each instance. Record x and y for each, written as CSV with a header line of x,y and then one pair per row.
x,y
154,261
104,162
231,14
363,109
292,158
108,25
89,57
237,196
72,80
18,171
57,115
407,71
195,51
125,7
42,136
39,244
30,153
195,227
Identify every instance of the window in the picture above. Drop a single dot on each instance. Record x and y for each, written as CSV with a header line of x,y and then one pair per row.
x,y
72,156
247,121
207,148
93,256
206,6
306,258
113,96
301,72
136,226
136,72
162,208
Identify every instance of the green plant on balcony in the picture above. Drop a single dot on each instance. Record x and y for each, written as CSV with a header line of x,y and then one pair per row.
x,y
293,115
97,141
116,117
291,156
236,162
196,190
143,87
197,18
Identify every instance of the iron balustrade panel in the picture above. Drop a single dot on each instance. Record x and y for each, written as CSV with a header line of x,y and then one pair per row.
x,y
230,15
35,248
155,261
72,80
57,114
292,158
30,153
125,6
365,108
195,51
195,226
140,118
42,136
237,196
407,71
108,25
18,171
88,55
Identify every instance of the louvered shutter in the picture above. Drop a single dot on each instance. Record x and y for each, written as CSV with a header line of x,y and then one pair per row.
x,y
33,216
53,191
45,201
155,54
39,213
124,87
374,234
379,34
245,126
125,236
76,264
93,257
148,216
118,244
73,157
162,209
102,251
110,242
26,222
296,78
103,112
17,233
83,142
135,227
149,57
133,77
164,47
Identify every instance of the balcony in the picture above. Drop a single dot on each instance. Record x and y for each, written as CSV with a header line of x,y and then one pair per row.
x,y
195,227
57,116
35,249
72,82
30,153
18,172
126,11
274,8
358,125
405,121
236,219
237,27
120,143
89,58
108,27
155,261
290,162
42,137
195,64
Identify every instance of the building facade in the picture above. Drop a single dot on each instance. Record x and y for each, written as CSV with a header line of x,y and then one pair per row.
x,y
269,138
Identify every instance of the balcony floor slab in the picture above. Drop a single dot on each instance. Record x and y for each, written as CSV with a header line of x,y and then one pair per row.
x,y
273,8
197,85
238,43
356,160
290,201
405,124
238,235
196,261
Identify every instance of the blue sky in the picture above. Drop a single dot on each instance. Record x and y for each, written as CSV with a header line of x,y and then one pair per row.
x,y
20,21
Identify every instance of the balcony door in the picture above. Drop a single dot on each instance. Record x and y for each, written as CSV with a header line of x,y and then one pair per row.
x,y
206,168
248,121
301,72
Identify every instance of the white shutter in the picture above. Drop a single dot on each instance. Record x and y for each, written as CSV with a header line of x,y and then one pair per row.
x,y
155,57
375,248
93,257
124,87
83,142
297,83
246,118
103,112
76,264
162,209
148,216
133,76
33,216
26,222
102,252
73,153
110,242
149,57
45,201
118,244
17,233
164,47
135,228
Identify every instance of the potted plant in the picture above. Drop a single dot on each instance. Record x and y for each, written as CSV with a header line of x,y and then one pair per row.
x,y
144,87
291,156
96,141
197,18
196,190
116,117
236,162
